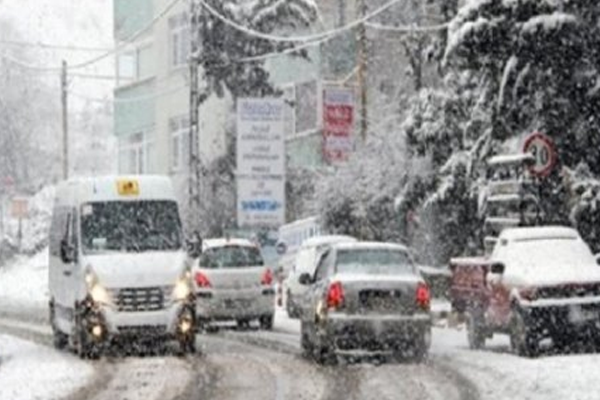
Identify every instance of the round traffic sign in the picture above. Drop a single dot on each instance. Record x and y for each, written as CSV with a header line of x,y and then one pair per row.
x,y
544,153
281,248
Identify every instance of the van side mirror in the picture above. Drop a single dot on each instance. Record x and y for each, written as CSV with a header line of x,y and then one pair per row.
x,y
305,279
194,245
67,252
498,268
598,258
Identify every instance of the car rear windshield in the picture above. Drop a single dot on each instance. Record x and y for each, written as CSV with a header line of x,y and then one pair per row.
x,y
374,262
231,257
132,226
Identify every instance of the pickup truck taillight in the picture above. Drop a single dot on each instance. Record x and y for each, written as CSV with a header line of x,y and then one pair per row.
x,y
423,296
528,294
335,296
202,280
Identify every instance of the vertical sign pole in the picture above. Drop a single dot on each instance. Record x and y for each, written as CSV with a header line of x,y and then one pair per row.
x,y
362,71
194,141
65,121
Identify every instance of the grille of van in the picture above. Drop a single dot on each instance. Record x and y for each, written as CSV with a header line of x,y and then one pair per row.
x,y
140,299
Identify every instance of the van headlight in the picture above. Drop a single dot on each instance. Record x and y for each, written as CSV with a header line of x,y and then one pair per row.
x,y
96,291
183,287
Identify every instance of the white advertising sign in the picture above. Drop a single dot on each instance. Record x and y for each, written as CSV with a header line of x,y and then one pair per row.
x,y
260,163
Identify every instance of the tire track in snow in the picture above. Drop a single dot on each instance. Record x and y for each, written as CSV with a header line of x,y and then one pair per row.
x,y
248,371
159,378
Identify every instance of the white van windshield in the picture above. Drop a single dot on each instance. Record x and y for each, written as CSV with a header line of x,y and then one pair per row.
x,y
133,226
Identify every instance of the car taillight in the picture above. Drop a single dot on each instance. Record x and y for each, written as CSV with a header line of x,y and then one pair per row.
x,y
202,280
267,278
529,294
335,295
423,296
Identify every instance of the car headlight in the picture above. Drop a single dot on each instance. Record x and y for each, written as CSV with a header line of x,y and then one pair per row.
x,y
96,291
183,287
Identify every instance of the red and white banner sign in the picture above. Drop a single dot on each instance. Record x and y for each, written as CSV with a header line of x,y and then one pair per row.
x,y
338,124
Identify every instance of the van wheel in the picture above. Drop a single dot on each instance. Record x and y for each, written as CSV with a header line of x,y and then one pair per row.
x,y
187,345
475,330
60,340
84,346
266,322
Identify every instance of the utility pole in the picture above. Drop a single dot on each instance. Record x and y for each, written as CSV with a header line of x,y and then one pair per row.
x,y
65,121
362,69
194,167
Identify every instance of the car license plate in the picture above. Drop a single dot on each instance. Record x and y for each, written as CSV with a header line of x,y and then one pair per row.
x,y
578,315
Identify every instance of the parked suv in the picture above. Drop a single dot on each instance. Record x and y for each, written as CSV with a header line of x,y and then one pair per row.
x,y
233,283
540,282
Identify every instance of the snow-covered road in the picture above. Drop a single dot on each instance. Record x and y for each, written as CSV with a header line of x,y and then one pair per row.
x,y
253,364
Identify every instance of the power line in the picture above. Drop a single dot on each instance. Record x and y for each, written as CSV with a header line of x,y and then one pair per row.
x,y
306,38
48,46
101,57
408,29
150,96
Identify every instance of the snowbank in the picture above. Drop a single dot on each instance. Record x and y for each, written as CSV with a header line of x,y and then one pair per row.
x,y
36,227
29,371
500,375
24,282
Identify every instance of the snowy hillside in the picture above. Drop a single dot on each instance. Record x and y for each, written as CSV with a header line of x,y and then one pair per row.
x,y
71,23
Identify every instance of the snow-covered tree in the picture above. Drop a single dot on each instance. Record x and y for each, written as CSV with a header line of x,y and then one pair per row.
x,y
223,50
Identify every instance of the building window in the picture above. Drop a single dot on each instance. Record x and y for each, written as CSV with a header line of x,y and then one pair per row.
x,y
135,64
179,133
126,67
179,40
133,154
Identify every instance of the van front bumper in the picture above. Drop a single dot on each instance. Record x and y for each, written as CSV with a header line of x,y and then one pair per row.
x,y
160,323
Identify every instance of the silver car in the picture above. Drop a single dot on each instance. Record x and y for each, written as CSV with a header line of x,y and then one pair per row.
x,y
365,298
232,283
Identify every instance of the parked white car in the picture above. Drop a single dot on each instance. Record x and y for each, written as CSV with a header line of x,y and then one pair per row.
x,y
233,283
305,262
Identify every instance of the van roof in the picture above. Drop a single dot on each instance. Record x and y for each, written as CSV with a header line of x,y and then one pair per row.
x,y
326,239
369,246
221,242
543,232
74,192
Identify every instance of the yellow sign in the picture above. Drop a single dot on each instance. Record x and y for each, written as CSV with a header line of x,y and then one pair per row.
x,y
128,187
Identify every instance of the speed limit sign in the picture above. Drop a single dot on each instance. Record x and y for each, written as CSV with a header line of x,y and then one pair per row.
x,y
544,154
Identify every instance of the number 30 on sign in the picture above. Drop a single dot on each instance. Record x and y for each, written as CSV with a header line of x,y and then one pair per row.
x,y
544,153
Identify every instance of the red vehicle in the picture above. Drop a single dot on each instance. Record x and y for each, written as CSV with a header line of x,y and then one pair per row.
x,y
538,283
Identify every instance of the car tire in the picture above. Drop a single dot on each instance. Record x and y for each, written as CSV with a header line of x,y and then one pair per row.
x,y
290,307
306,343
522,340
420,347
60,340
243,324
475,329
323,355
266,322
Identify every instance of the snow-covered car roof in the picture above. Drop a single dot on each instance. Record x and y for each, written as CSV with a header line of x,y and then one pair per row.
x,y
327,239
222,242
545,232
369,245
